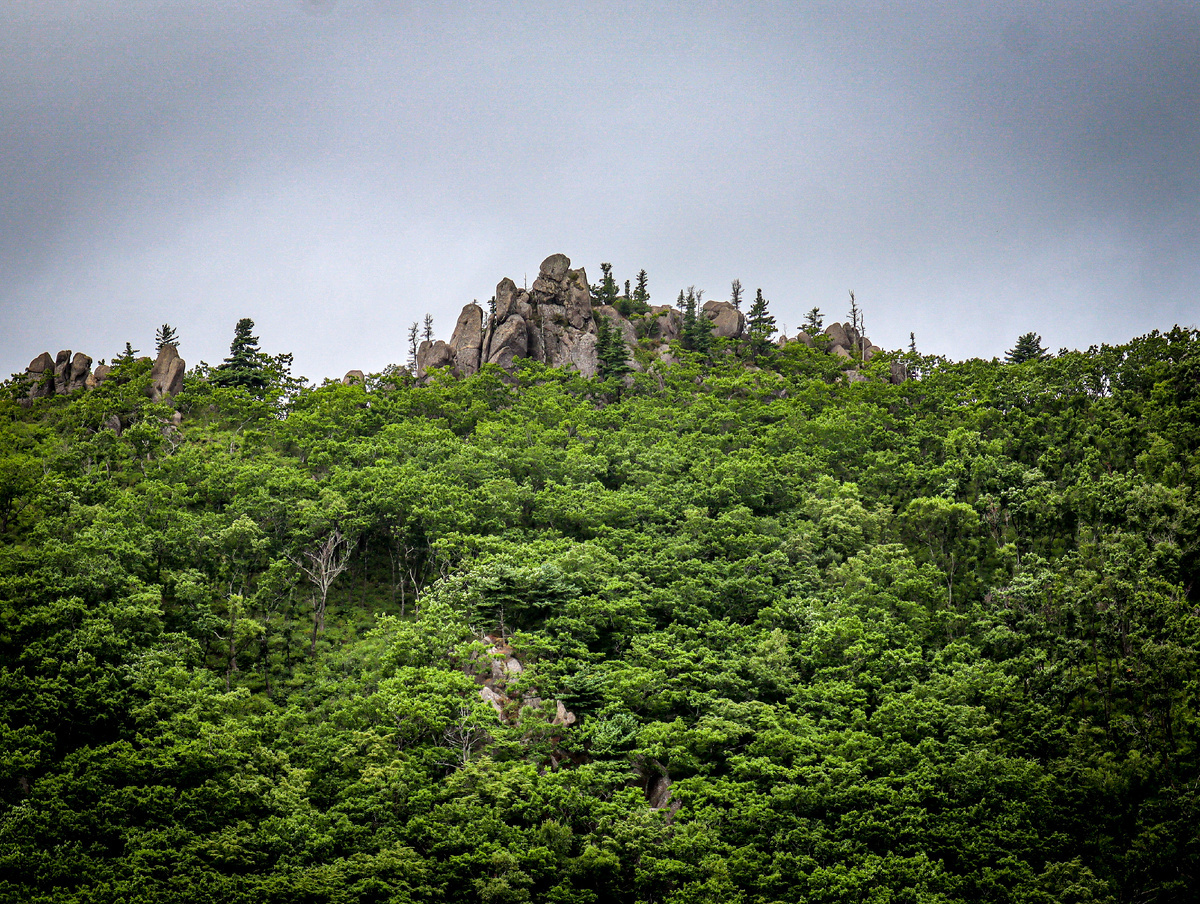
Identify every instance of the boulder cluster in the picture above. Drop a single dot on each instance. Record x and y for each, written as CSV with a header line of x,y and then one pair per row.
x,y
66,373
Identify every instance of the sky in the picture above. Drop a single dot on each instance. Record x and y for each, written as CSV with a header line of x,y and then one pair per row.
x,y
336,169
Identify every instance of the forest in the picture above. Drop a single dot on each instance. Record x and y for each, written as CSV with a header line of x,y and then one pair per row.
x,y
732,628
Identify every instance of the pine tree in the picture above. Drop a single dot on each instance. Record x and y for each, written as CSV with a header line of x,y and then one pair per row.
x,y
246,366
761,325
854,312
126,356
428,334
912,342
735,294
814,322
166,335
1028,348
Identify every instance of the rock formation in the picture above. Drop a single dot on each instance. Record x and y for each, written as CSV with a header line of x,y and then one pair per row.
x,y
60,375
728,322
166,376
67,373
552,322
354,376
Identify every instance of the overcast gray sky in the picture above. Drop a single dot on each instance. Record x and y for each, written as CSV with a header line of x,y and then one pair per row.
x,y
335,169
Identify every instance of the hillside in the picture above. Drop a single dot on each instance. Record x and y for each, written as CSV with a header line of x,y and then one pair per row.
x,y
724,626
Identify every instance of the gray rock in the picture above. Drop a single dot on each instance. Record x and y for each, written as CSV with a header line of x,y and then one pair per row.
x,y
899,372
668,322
841,351
583,355
853,376
871,352
805,338
497,700
43,363
431,355
578,300
554,268
837,336
81,369
509,341
99,375
728,321
354,376
40,376
166,375
562,715
616,320
467,340
62,372
506,291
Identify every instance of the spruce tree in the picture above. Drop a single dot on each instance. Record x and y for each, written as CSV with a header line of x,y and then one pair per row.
x,y
428,334
611,354
641,294
606,291
735,294
814,322
761,324
246,366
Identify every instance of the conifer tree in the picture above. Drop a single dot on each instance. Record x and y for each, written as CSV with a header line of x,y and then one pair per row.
x,y
735,294
641,294
166,335
428,334
761,324
606,291
246,366
414,332
1028,348
126,356
814,322
611,353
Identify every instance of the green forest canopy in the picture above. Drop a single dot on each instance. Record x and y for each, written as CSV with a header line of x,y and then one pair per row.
x,y
756,634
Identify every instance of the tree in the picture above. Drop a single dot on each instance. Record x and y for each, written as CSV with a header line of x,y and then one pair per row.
x,y
696,333
611,352
126,356
166,335
761,325
322,565
428,333
246,366
606,291
735,293
814,322
641,294
912,342
1028,348
414,333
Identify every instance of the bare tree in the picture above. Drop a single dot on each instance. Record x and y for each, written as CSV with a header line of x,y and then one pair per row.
x,y
324,564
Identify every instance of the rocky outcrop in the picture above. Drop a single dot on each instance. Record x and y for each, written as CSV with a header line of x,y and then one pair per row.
x,y
467,340
63,374
728,322
433,354
552,322
166,374
354,376
668,322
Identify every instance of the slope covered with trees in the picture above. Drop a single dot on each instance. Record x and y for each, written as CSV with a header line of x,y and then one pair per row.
x,y
746,632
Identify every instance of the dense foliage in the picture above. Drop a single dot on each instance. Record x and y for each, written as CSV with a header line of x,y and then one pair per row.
x,y
929,642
